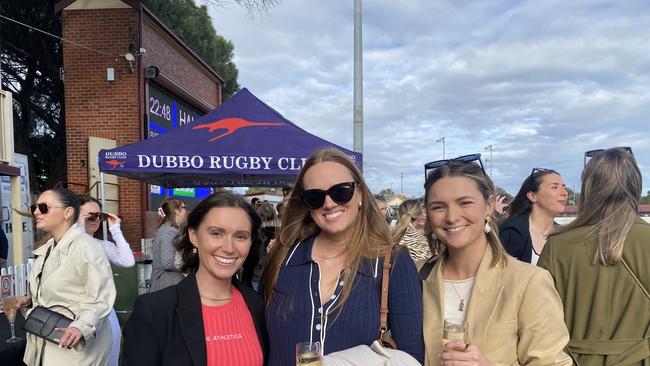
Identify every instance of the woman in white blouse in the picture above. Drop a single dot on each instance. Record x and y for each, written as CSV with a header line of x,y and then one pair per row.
x,y
119,253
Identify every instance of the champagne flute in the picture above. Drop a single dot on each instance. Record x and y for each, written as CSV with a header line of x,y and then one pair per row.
x,y
9,306
308,354
454,329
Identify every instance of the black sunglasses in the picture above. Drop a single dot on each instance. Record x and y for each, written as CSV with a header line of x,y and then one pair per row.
x,y
430,167
93,216
42,207
593,153
541,170
340,193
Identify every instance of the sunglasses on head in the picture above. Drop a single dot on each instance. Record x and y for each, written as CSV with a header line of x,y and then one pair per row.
x,y
541,170
42,207
593,153
471,158
340,193
93,216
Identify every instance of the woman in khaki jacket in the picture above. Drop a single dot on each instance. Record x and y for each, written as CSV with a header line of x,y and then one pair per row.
x,y
512,313
600,264
71,270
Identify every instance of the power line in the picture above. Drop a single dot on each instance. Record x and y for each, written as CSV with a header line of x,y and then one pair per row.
x,y
57,37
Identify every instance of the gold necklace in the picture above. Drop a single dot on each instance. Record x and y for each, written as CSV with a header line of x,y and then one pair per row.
x,y
213,299
461,304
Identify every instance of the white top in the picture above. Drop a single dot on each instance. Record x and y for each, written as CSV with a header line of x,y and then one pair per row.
x,y
118,253
454,291
534,257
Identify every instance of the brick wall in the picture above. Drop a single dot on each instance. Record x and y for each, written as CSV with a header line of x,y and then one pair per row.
x,y
111,109
174,62
101,108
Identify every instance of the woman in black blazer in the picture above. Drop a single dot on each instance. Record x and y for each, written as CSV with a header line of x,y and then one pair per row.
x,y
530,216
168,327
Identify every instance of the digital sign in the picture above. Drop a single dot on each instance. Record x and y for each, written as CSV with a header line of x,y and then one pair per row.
x,y
165,113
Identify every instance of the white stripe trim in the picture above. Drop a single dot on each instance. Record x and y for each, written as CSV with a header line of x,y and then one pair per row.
x,y
311,328
376,266
291,255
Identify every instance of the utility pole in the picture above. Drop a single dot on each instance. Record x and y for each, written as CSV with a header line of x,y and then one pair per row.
x,y
442,139
401,190
357,115
489,148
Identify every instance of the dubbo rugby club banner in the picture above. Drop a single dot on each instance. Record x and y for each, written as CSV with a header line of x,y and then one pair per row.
x,y
243,142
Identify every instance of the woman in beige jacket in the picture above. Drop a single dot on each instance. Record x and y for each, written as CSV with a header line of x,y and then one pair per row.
x,y
71,271
511,311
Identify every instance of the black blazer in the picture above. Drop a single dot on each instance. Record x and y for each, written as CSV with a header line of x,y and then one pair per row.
x,y
166,326
515,237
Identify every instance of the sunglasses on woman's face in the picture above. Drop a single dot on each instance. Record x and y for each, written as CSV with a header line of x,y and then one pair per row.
x,y
340,193
94,216
42,207
430,167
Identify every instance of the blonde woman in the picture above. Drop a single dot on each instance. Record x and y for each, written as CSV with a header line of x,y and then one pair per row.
x,y
600,265
173,212
410,215
511,311
324,276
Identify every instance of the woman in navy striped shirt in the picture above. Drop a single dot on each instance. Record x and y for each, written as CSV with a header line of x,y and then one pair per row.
x,y
323,280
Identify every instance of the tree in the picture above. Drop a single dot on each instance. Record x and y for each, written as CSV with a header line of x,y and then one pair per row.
x,y
386,191
573,197
30,70
502,192
196,30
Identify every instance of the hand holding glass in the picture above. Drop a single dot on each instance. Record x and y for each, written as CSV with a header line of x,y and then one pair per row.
x,y
454,329
308,354
9,307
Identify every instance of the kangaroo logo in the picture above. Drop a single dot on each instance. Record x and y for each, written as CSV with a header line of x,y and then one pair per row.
x,y
231,125
114,163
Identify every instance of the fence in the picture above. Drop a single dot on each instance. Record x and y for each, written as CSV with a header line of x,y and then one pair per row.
x,y
17,278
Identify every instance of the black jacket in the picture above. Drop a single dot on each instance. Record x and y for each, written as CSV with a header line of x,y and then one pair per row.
x,y
166,326
515,237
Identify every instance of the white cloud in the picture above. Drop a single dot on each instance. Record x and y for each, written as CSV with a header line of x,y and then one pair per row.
x,y
542,81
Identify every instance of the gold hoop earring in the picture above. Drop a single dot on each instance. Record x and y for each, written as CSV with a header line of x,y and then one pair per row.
x,y
359,204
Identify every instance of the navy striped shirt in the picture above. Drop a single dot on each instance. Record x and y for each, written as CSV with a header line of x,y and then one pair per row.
x,y
294,313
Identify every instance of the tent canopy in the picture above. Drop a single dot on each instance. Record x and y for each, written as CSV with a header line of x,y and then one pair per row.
x,y
241,143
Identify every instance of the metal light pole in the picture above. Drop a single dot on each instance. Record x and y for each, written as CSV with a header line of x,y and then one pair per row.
x,y
489,148
357,115
442,139
401,188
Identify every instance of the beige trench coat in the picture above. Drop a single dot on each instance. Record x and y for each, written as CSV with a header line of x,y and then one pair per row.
x,y
77,275
514,316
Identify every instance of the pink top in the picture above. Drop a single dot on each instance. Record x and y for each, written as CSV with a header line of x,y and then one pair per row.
x,y
230,335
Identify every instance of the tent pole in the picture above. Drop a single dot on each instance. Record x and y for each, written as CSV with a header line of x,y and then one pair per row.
x,y
103,194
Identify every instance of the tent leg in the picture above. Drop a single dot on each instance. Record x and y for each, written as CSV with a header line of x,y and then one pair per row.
x,y
103,194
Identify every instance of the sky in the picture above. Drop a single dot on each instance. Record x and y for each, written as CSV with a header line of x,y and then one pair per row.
x,y
540,81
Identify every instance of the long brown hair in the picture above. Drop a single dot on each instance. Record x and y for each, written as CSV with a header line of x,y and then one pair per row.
x,y
485,186
169,207
407,211
609,203
370,235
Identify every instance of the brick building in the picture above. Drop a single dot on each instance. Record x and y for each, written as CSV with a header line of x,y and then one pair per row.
x,y
115,91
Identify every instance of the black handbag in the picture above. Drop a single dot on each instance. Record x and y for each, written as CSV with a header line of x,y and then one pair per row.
x,y
43,321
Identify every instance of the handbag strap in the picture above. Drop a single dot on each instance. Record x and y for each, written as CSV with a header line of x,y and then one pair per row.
x,y
47,255
385,281
636,279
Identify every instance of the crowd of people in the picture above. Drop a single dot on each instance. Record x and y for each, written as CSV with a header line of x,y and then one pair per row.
x,y
239,283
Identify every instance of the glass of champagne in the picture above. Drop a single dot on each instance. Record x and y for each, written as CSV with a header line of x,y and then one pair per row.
x,y
9,307
454,329
308,354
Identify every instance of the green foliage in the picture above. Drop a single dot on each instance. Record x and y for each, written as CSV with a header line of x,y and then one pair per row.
x,y
193,25
30,70
386,191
